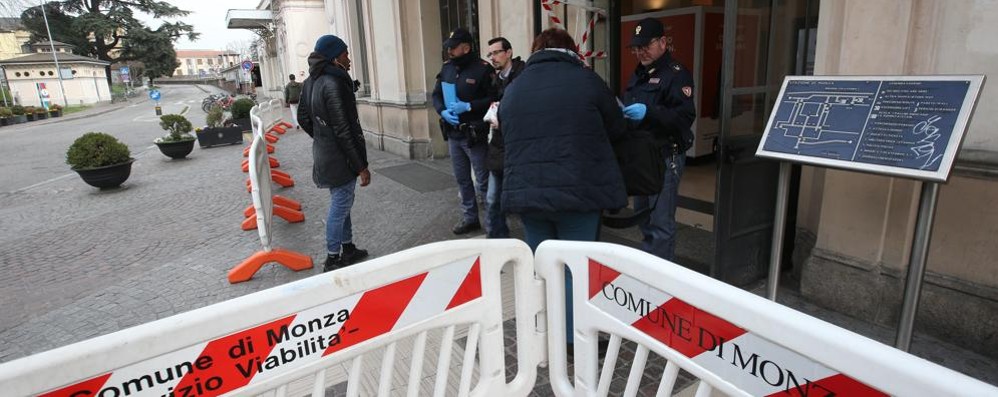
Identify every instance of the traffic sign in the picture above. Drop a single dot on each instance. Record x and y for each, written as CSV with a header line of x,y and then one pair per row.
x,y
154,95
247,65
124,70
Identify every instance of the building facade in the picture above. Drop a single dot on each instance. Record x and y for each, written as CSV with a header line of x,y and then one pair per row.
x,y
851,232
84,79
200,63
13,37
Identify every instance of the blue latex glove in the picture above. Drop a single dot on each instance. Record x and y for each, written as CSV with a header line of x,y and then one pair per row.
x,y
635,112
449,117
459,107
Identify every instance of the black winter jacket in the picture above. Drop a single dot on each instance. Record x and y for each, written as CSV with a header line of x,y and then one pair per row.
x,y
558,119
328,113
496,152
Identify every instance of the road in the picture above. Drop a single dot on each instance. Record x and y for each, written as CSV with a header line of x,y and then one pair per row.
x,y
27,160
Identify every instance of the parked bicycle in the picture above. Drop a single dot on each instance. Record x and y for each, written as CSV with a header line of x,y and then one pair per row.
x,y
223,100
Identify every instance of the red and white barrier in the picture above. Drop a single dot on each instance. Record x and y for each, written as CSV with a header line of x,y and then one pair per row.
x,y
733,341
286,340
265,341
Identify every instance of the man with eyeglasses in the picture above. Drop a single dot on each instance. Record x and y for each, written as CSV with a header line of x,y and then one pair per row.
x,y
660,98
462,95
507,68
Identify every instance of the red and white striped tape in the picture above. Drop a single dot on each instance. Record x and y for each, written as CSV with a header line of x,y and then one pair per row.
x,y
252,355
548,6
756,365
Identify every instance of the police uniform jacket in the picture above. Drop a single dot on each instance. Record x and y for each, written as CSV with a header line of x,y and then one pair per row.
x,y
666,88
472,78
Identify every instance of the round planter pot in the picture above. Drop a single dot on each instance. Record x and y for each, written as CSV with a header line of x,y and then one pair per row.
x,y
176,150
108,176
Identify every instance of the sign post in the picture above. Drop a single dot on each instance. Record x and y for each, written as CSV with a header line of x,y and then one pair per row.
x,y
901,126
155,95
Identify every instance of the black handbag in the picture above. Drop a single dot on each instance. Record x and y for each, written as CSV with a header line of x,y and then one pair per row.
x,y
641,163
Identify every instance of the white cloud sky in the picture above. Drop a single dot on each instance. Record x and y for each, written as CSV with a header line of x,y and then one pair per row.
x,y
207,17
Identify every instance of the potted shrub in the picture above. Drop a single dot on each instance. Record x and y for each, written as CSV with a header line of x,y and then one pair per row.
x,y
179,142
29,112
19,116
55,110
5,116
241,113
41,113
100,159
215,133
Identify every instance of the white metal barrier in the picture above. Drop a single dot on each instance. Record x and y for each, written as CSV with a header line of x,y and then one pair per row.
x,y
290,340
735,342
259,173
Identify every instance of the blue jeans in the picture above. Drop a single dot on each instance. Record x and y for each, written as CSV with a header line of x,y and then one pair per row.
x,y
575,226
339,229
659,229
495,219
464,158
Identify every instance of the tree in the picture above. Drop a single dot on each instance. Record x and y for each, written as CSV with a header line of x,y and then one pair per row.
x,y
155,50
101,28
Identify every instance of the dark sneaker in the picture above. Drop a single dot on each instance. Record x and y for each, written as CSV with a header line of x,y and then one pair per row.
x,y
352,254
334,262
466,227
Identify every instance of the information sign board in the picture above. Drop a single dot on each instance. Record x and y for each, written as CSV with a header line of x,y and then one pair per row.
x,y
908,126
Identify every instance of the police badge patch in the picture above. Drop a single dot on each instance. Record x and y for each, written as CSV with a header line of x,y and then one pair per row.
x,y
637,30
688,91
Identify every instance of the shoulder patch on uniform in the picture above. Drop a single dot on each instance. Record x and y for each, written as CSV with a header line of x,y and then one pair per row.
x,y
688,91
677,67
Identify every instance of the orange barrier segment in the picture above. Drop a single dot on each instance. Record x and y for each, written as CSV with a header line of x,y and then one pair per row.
x,y
286,202
284,181
281,173
280,129
285,124
288,214
270,149
273,164
289,259
271,138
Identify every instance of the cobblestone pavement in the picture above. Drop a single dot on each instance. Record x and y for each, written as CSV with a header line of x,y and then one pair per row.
x,y
77,262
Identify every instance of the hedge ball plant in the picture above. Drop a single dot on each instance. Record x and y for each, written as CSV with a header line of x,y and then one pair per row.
x,y
178,126
96,149
241,108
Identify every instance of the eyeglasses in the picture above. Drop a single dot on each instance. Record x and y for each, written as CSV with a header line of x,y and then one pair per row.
x,y
496,52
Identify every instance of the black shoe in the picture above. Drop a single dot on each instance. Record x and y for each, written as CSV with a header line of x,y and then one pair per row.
x,y
333,262
352,254
466,227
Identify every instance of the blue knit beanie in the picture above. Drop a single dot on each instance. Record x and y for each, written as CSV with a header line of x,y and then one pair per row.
x,y
330,46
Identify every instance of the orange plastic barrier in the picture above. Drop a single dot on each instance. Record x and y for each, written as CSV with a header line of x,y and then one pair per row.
x,y
289,259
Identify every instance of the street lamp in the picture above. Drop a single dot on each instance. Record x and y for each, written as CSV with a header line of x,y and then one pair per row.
x,y
55,57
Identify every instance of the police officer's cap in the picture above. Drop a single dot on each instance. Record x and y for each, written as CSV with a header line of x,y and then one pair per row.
x,y
458,36
647,29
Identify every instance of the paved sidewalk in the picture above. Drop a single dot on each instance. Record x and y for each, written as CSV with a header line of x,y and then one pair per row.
x,y
77,262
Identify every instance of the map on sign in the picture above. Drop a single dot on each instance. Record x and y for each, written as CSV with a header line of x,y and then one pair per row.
x,y
896,125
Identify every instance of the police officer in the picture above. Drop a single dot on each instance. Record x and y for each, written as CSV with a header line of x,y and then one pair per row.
x,y
660,94
461,122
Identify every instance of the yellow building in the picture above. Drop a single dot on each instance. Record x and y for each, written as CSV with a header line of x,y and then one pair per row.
x,y
13,37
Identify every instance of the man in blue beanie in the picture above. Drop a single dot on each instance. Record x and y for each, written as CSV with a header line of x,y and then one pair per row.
x,y
328,113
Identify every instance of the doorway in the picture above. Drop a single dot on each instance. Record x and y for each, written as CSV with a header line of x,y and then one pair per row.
x,y
739,52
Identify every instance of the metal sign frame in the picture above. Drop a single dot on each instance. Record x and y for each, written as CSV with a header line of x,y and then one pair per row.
x,y
975,82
